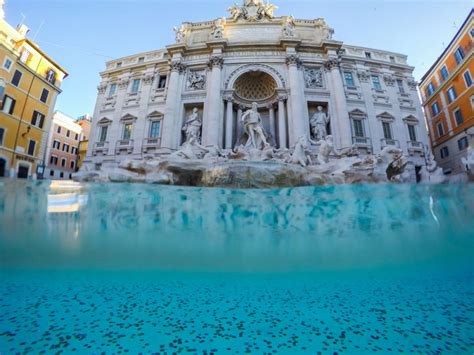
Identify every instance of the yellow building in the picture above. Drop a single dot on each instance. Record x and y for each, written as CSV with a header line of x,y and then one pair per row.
x,y
30,82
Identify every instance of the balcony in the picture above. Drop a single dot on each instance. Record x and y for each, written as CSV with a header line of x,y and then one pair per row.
x,y
390,143
415,147
151,144
100,148
124,145
361,141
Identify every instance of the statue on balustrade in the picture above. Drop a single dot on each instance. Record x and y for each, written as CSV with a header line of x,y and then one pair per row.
x,y
254,129
319,124
192,126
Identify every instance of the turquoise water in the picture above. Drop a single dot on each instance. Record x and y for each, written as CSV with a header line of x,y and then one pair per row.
x,y
135,268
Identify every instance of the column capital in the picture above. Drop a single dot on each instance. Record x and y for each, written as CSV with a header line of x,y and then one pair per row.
x,y
271,106
178,66
293,59
216,61
148,79
282,97
364,76
229,99
102,88
331,64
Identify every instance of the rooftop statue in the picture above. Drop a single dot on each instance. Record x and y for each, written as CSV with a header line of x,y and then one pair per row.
x,y
252,10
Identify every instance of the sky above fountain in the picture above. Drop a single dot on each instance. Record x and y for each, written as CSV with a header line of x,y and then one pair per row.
x,y
83,34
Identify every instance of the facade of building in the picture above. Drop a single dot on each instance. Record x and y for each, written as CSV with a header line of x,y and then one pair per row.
x,y
290,68
447,92
85,122
63,147
30,82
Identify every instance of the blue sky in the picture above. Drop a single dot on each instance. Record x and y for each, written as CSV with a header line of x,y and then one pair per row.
x,y
82,35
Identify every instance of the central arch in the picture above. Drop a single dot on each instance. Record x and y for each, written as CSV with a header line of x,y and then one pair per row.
x,y
255,86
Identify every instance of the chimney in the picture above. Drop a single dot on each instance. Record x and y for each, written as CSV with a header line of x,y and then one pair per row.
x,y
2,12
22,29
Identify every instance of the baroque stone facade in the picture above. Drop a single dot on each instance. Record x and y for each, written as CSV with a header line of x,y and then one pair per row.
x,y
301,81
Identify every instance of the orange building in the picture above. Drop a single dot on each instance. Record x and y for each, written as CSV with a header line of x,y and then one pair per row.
x,y
447,93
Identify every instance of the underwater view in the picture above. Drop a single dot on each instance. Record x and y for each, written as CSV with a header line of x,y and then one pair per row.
x,y
131,268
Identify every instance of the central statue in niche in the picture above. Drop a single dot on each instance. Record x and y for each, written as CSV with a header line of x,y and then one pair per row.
x,y
254,129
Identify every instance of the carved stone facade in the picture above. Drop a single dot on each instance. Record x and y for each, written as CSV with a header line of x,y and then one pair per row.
x,y
304,84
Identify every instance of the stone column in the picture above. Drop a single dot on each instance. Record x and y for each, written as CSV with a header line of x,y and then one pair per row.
x,y
299,114
229,124
171,120
340,124
212,126
239,129
271,109
282,122
139,128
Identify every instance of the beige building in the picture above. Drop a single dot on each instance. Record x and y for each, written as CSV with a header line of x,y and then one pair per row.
x,y
63,147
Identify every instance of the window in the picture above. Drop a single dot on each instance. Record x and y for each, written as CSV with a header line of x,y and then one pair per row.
x,y
72,164
135,86
56,144
376,83
37,119
463,143
468,78
25,56
430,89
68,133
162,82
53,160
358,128
51,76
127,131
16,78
452,94
472,32
459,55
141,59
59,130
2,134
392,59
119,64
7,64
8,105
387,130
66,148
103,134
44,96
368,55
401,89
444,73
112,89
31,147
458,116
76,137
349,78
412,132
63,162
61,174
155,129
440,129
444,152
51,173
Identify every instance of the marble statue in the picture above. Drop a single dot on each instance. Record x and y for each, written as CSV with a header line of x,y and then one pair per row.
x,y
180,33
319,123
301,155
252,10
326,149
431,173
253,127
267,10
289,27
192,126
196,81
468,162
218,29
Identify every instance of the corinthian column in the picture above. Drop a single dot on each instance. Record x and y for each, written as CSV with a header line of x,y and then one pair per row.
x,y
229,120
281,122
171,122
271,109
300,121
212,131
340,124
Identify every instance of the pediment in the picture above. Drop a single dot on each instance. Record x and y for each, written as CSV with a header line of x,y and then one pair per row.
x,y
385,115
104,121
412,119
357,112
155,114
128,117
